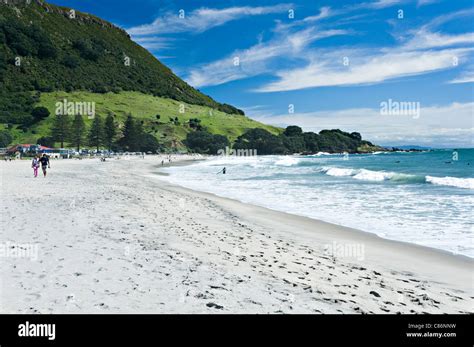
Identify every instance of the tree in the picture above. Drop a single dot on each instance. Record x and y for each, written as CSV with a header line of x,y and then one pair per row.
x,y
71,61
131,136
77,131
46,141
294,144
40,113
109,131
356,136
195,123
293,130
96,133
293,139
262,141
60,130
149,143
5,138
205,142
311,141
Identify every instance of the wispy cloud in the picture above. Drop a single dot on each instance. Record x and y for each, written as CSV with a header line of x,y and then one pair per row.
x,y
382,3
466,77
420,51
256,59
426,2
202,19
154,43
435,125
424,39
428,35
368,69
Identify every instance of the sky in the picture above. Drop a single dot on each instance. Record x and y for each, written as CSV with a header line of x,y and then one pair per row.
x,y
319,64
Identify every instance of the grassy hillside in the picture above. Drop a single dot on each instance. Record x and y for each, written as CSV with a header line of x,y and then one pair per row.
x,y
43,49
146,107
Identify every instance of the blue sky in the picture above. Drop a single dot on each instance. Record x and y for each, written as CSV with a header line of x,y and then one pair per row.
x,y
333,62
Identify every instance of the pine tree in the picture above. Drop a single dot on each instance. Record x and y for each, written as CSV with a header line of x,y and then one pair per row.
x,y
131,135
60,130
77,131
109,131
96,133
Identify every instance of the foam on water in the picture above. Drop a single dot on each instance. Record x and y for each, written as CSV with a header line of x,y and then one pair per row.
x,y
412,197
287,161
467,183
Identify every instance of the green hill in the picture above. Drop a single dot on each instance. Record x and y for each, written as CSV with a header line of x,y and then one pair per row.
x,y
43,49
146,108
47,55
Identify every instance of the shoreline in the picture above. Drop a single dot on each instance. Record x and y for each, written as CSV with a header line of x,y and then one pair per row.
x,y
345,233
294,215
127,241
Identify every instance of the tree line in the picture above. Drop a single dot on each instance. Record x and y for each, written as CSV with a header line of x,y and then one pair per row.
x,y
292,140
100,134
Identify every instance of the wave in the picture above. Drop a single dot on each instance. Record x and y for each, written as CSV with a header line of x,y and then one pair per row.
x,y
287,161
322,153
379,176
337,172
467,183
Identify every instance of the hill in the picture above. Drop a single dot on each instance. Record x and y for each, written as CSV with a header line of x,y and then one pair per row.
x,y
157,114
48,48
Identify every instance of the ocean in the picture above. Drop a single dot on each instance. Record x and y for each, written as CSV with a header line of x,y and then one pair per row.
x,y
424,198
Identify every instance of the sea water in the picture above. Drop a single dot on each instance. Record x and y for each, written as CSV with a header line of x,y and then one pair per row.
x,y
419,197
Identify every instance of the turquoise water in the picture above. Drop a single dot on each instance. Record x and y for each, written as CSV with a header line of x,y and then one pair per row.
x,y
423,197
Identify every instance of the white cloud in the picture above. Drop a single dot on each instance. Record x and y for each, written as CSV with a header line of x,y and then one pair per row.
x,y
426,2
154,43
202,19
421,51
256,59
324,12
424,39
466,77
384,3
436,125
437,21
375,68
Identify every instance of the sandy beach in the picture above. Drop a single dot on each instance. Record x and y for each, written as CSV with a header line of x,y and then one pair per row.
x,y
113,237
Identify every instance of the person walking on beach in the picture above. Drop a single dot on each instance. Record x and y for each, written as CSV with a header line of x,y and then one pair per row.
x,y
35,165
44,160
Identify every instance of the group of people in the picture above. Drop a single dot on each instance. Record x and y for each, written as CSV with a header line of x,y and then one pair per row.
x,y
43,161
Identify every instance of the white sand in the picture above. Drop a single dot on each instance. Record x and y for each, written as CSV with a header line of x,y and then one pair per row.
x,y
114,238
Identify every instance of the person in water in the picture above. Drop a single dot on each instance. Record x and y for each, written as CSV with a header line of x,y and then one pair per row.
x,y
44,160
35,165
223,171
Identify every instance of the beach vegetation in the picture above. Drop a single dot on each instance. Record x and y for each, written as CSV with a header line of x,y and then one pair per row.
x,y
206,143
61,129
96,133
78,131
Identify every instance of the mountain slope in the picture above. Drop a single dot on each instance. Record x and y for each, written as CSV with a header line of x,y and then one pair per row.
x,y
43,49
155,113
